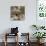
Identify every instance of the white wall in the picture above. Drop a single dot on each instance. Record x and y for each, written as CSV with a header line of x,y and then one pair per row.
x,y
30,15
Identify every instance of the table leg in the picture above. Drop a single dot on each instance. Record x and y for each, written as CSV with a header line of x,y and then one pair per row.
x,y
5,40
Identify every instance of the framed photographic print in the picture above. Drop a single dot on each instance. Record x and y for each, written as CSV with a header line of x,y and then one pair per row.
x,y
17,12
41,12
41,8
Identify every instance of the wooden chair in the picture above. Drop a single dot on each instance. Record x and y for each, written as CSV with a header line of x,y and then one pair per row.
x,y
6,36
25,36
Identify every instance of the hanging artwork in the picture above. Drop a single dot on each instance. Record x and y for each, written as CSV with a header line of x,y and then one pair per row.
x,y
41,13
17,12
41,8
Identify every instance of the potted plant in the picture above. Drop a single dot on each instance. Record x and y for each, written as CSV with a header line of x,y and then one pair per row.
x,y
38,27
42,27
35,26
39,35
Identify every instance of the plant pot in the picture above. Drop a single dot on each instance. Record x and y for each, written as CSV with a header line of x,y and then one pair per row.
x,y
40,41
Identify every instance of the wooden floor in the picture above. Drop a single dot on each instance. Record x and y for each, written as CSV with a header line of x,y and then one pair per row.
x,y
13,44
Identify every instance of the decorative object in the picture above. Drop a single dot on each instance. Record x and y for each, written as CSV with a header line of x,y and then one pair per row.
x,y
17,12
39,35
14,30
41,8
41,13
35,26
38,27
23,44
42,27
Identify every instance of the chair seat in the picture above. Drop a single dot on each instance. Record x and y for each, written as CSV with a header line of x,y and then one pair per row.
x,y
9,34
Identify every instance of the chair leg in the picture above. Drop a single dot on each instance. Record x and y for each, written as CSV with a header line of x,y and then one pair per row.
x,y
5,40
17,39
5,43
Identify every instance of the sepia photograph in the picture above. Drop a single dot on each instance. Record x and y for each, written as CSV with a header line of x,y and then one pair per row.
x,y
17,12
